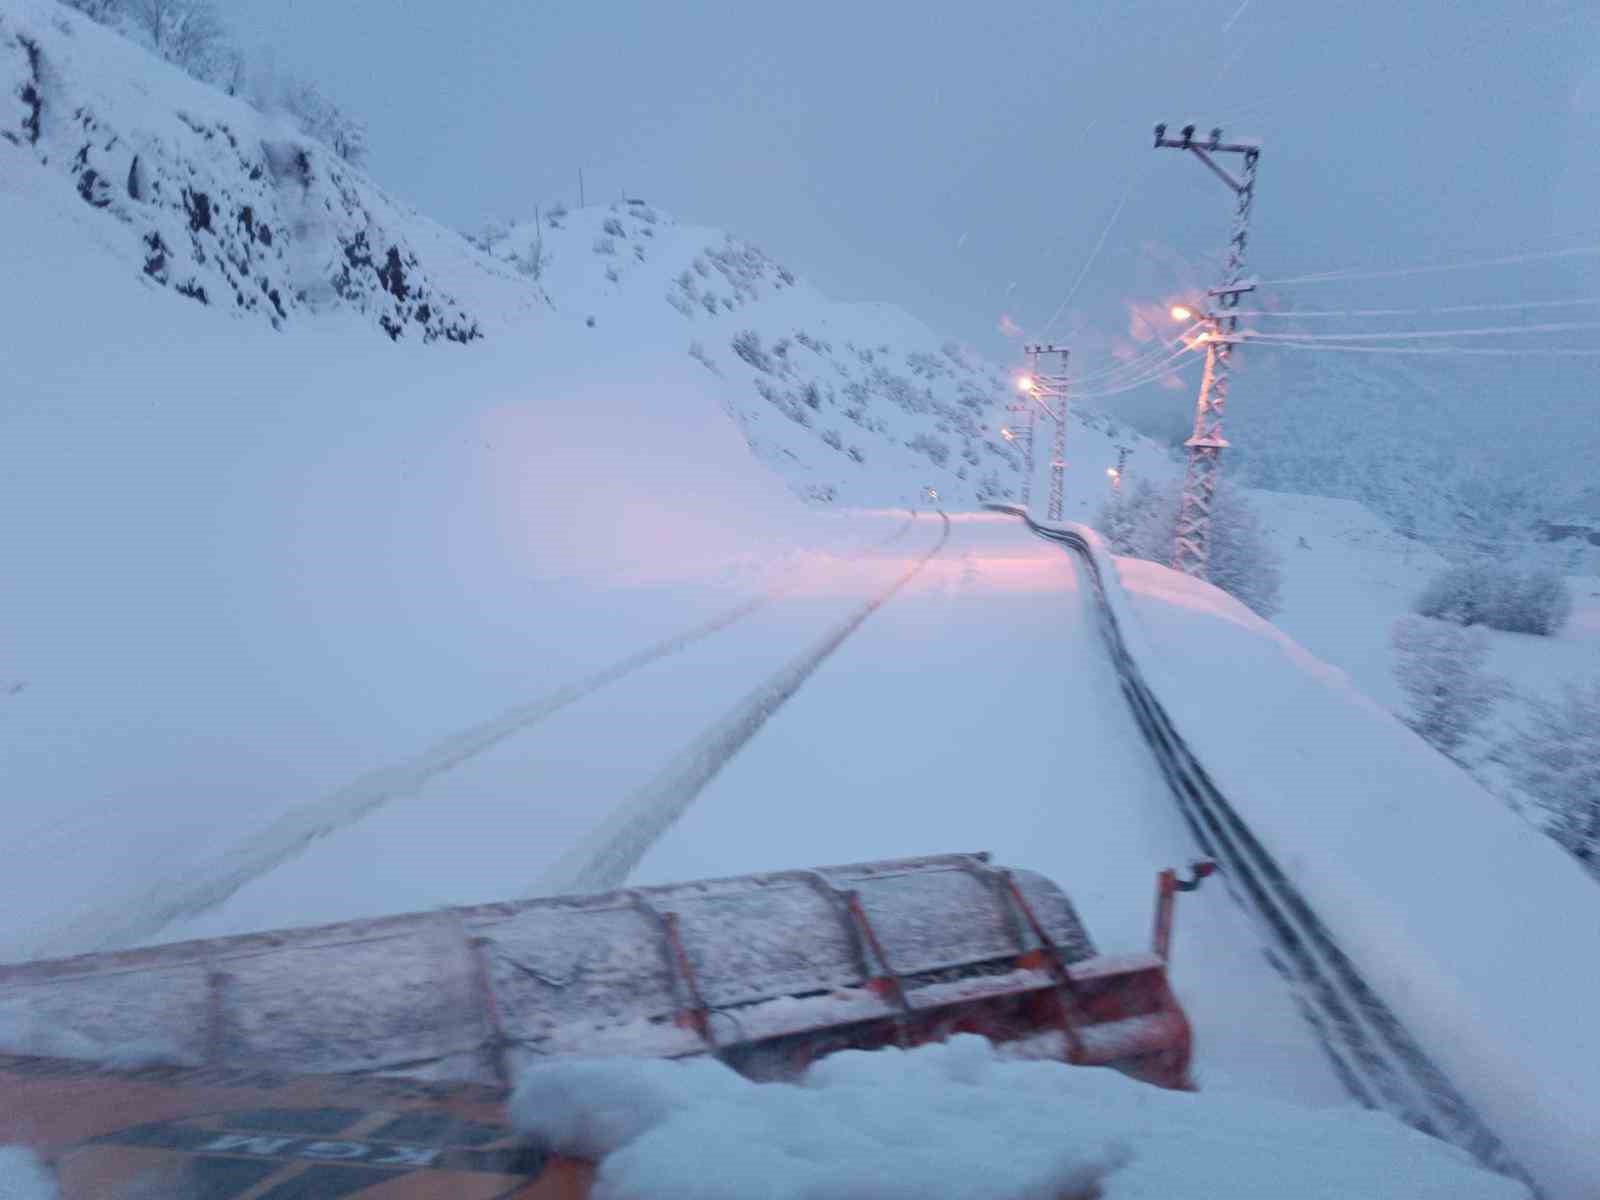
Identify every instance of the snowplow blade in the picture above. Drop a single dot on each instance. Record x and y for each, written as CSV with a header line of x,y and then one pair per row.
x,y
767,972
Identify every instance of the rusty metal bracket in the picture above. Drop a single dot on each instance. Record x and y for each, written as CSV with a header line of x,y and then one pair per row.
x,y
693,1011
1168,885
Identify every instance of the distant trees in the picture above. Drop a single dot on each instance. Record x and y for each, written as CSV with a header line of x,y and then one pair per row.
x,y
1439,667
191,35
1141,520
324,120
1556,760
187,33
1485,592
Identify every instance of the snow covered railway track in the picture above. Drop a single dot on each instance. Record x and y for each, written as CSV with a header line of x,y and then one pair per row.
x,y
1376,1057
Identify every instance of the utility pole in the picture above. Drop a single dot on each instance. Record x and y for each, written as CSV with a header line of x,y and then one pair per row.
x,y
1042,387
1118,471
1024,438
1192,544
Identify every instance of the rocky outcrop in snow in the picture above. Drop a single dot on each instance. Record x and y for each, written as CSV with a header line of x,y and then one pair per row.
x,y
202,193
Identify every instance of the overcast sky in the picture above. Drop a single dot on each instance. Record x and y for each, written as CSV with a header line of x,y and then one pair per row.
x,y
963,159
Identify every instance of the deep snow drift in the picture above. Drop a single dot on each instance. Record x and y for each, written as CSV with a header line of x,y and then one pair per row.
x,y
960,1122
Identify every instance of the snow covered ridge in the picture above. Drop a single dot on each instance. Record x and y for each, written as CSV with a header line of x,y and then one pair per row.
x,y
851,403
958,1120
202,194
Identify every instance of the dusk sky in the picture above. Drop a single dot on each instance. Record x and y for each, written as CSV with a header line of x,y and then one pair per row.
x,y
964,160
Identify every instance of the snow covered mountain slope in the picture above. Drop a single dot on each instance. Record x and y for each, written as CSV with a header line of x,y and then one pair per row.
x,y
852,403
199,193
237,211
1468,454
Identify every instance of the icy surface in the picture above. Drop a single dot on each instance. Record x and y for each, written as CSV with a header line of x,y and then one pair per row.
x,y
958,1121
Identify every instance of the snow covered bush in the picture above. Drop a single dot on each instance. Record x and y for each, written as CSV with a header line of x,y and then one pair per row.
x,y
1556,760
1542,605
1485,592
937,451
605,245
747,345
832,437
1140,521
698,353
1439,666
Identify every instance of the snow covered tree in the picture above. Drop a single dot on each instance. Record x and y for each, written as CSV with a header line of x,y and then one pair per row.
x,y
1140,521
1485,592
1242,560
1543,603
1556,760
103,11
1439,666
319,117
187,33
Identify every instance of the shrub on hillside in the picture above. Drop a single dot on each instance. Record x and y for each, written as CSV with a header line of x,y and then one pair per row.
x,y
1140,521
1484,592
936,450
1556,760
747,345
1439,666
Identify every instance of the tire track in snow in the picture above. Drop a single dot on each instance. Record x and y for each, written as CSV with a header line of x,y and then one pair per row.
x,y
604,858
132,919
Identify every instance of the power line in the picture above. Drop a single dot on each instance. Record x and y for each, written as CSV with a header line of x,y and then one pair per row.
x,y
1127,190
1481,331
1530,352
1132,384
1510,306
1133,366
1341,276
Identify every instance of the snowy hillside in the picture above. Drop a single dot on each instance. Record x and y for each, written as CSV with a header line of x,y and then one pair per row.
x,y
200,193
1422,442
852,403
1348,577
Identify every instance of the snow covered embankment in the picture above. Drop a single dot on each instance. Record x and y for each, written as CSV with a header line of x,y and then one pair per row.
x,y
958,1120
1464,920
200,193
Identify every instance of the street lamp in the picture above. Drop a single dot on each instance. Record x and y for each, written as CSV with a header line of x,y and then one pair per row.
x,y
1025,384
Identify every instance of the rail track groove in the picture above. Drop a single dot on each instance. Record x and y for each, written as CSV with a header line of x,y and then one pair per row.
x,y
1379,1061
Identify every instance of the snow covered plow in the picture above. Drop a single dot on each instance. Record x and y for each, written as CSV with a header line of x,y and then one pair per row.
x,y
766,972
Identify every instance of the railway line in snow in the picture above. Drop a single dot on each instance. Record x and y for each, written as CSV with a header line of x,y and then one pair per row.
x,y
1375,1056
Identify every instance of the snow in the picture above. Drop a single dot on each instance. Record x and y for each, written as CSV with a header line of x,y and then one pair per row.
x,y
24,1177
958,1120
977,710
1432,886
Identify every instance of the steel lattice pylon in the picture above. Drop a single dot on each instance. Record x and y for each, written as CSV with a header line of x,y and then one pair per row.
x,y
1043,388
1192,540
